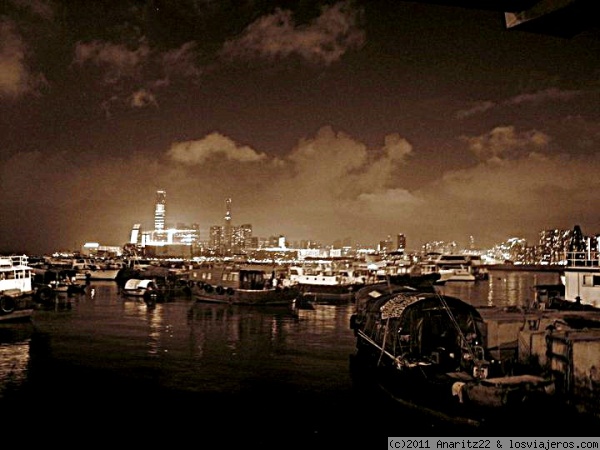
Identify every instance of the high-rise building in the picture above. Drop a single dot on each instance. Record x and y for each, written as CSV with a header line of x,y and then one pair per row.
x,y
227,230
215,237
160,210
135,234
400,242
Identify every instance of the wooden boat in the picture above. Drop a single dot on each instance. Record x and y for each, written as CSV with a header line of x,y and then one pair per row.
x,y
47,283
428,350
241,285
16,292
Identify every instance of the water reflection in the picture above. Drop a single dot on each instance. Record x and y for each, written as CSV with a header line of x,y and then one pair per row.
x,y
503,288
14,356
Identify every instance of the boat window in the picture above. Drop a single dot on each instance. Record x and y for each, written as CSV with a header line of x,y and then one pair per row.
x,y
596,280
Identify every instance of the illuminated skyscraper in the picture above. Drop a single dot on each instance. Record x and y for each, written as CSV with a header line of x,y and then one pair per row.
x,y
135,234
227,231
159,210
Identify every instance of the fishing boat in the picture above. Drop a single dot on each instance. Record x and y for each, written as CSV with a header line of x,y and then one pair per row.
x,y
16,291
241,285
56,281
428,351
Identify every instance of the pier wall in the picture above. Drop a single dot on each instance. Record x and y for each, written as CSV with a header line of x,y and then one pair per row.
x,y
564,344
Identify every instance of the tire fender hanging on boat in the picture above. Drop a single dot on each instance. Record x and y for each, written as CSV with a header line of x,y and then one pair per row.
x,y
7,305
220,290
45,295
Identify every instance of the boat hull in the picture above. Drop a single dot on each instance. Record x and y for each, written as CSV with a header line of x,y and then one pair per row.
x,y
15,308
98,275
274,296
332,294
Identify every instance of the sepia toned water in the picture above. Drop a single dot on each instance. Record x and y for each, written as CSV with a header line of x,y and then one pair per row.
x,y
113,369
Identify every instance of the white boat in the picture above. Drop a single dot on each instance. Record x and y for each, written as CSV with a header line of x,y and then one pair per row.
x,y
453,267
135,287
16,291
328,282
89,269
581,278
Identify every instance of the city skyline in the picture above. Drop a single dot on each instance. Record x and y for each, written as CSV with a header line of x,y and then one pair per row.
x,y
230,238
321,119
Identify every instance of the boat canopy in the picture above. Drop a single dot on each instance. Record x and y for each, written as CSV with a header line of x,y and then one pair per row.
x,y
417,325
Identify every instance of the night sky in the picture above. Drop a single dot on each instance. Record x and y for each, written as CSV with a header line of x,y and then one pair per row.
x,y
320,120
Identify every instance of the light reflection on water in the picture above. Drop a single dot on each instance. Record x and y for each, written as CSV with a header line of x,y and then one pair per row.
x,y
14,356
502,288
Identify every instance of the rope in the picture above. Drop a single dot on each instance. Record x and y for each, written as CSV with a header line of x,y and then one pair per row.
x,y
456,325
387,321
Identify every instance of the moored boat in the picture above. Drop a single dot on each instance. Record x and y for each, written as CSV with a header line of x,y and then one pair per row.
x,y
16,291
90,269
241,285
145,288
579,286
453,267
325,282
429,351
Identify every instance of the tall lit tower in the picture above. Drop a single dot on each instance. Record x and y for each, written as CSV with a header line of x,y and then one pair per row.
x,y
227,228
159,210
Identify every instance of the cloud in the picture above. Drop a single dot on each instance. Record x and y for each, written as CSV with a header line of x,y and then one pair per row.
x,y
40,8
142,98
505,142
197,152
147,67
117,60
535,98
16,79
181,62
551,94
476,108
324,40
330,185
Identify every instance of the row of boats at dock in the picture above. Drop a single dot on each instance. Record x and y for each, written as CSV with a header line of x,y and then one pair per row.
x,y
421,347
332,281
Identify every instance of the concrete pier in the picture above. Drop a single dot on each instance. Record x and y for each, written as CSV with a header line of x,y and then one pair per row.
x,y
563,344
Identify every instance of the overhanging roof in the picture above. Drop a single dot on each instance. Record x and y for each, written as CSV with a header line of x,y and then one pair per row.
x,y
564,18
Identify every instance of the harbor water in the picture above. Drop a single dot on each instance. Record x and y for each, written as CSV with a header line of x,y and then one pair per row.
x,y
114,369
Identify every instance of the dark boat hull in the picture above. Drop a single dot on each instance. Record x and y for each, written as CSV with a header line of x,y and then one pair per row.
x,y
285,296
